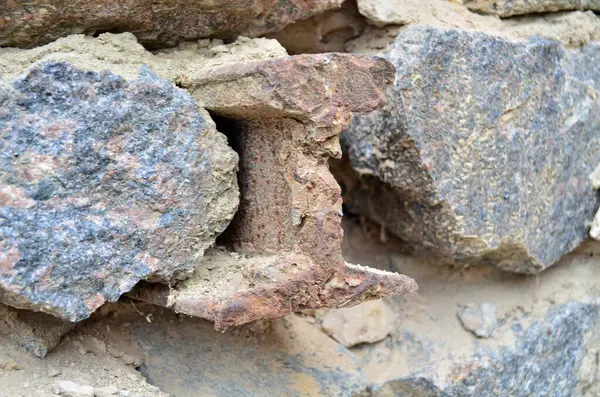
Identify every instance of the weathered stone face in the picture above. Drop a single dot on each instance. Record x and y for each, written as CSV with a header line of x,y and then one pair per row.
x,y
104,182
37,333
595,228
507,8
326,32
285,357
155,23
547,356
483,151
545,339
572,29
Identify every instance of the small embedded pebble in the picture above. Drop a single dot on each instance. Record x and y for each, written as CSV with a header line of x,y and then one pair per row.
x,y
96,345
106,391
53,372
8,364
128,359
480,319
115,352
71,389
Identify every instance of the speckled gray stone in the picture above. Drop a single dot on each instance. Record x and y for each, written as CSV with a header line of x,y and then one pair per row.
x,y
104,182
507,8
483,151
546,361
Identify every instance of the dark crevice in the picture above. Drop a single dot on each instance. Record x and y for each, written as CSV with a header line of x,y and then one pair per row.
x,y
161,42
143,370
229,40
231,129
96,33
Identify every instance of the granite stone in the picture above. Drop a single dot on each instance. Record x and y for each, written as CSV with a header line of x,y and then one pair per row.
x,y
483,150
508,8
104,182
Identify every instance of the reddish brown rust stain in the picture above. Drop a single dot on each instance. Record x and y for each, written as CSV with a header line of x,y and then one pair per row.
x,y
290,202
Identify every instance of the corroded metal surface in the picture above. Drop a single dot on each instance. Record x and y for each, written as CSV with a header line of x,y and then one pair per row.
x,y
232,289
285,116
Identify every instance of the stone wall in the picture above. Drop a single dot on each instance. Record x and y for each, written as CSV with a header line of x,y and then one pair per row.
x,y
263,167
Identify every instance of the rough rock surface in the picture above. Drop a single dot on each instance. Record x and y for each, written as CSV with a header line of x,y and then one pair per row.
x,y
160,23
300,100
368,322
122,54
573,29
595,177
431,12
67,388
483,151
473,112
479,319
104,182
185,357
326,32
595,228
283,116
37,333
546,342
92,362
507,8
545,360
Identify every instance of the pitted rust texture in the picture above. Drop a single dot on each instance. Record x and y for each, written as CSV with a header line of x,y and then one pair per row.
x,y
232,289
322,90
103,183
287,231
162,23
290,201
